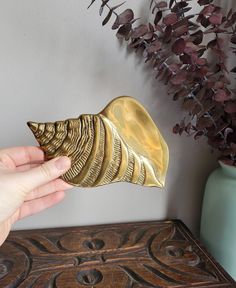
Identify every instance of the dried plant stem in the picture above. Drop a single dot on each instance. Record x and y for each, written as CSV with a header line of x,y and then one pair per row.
x,y
175,46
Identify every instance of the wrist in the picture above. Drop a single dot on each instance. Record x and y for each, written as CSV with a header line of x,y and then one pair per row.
x,y
4,231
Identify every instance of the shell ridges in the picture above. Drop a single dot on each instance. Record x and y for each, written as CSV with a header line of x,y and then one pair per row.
x,y
120,144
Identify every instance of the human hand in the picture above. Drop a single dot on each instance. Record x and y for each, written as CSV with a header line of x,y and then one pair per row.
x,y
28,184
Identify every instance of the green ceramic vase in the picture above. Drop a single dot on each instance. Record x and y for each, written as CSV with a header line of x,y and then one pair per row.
x,y
218,222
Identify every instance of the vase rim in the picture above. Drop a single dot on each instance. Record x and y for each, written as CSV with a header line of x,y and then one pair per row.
x,y
225,165
228,169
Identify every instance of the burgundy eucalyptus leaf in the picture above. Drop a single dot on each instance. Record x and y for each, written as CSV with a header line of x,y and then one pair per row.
x,y
167,34
108,17
186,59
159,28
178,46
196,110
180,31
151,3
233,39
203,123
227,132
227,152
170,19
174,68
181,12
158,17
139,31
217,112
228,23
229,13
154,47
233,18
201,61
221,95
222,64
124,31
208,10
189,104
190,47
148,36
198,135
208,105
179,5
117,6
162,4
179,78
197,37
180,94
124,18
102,7
205,22
230,107
224,79
91,3
151,28
218,85
176,129
201,93
216,19
216,142
192,26
204,2
202,72
165,76
181,22
136,43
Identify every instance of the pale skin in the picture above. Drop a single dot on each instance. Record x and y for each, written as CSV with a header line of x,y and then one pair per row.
x,y
28,184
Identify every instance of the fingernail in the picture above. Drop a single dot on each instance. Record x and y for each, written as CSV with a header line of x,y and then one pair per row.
x,y
63,163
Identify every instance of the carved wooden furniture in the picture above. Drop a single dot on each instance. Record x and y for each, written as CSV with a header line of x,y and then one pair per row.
x,y
148,254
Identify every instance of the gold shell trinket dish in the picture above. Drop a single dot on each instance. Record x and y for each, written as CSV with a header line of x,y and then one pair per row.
x,y
119,144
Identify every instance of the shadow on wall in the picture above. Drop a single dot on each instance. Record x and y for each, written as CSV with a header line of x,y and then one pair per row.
x,y
193,160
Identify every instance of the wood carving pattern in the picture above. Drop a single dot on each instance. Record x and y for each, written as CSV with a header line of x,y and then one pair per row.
x,y
149,254
101,152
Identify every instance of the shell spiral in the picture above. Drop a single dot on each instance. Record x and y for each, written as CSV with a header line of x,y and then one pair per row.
x,y
98,152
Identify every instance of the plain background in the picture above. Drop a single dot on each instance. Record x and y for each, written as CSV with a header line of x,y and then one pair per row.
x,y
56,62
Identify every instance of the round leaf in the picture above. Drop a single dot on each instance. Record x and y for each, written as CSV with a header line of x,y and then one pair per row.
x,y
179,46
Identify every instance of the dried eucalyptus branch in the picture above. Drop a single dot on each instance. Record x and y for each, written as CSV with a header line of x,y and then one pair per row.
x,y
174,46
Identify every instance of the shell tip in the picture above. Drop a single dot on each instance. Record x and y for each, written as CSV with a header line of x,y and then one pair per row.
x,y
33,126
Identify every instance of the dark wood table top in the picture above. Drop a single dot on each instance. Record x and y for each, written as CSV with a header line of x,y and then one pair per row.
x,y
145,254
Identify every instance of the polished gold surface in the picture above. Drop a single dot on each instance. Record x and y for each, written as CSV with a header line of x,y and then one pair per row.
x,y
119,144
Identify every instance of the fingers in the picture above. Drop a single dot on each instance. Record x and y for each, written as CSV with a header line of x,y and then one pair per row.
x,y
38,176
26,167
37,205
23,155
49,188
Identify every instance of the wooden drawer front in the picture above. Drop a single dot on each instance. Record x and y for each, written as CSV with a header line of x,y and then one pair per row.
x,y
148,254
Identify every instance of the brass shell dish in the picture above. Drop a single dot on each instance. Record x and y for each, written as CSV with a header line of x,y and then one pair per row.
x,y
119,144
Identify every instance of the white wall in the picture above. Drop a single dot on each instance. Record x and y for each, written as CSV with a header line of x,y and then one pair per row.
x,y
56,62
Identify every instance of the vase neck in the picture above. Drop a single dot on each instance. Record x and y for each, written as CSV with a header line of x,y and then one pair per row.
x,y
229,170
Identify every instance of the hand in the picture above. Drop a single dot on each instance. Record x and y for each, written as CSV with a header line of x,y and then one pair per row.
x,y
28,184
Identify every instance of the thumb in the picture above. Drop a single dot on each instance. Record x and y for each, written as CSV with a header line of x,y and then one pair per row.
x,y
45,173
